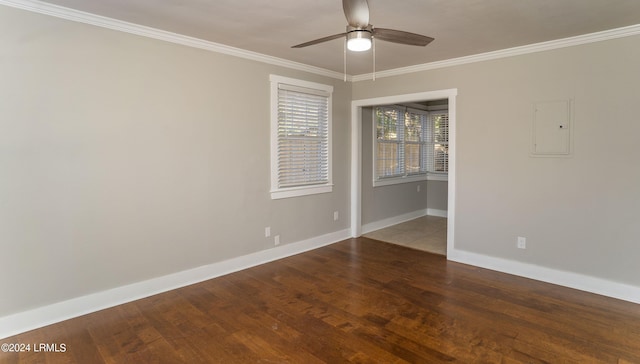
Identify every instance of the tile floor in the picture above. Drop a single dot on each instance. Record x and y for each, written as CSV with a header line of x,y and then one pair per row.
x,y
428,233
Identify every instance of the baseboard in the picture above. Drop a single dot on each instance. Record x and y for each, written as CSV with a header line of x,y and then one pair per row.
x,y
381,224
581,282
436,212
28,320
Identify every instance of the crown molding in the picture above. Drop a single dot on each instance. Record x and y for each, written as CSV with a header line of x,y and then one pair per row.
x,y
141,30
509,52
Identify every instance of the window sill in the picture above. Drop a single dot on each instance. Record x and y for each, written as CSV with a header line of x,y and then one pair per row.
x,y
408,179
437,176
398,180
300,191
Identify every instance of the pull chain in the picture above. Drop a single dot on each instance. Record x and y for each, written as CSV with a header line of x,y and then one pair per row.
x,y
345,59
373,40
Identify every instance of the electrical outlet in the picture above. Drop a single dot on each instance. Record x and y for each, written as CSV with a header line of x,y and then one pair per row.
x,y
522,242
418,188
335,216
276,240
267,232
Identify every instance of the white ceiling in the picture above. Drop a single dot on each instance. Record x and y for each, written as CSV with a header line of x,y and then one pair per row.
x,y
460,27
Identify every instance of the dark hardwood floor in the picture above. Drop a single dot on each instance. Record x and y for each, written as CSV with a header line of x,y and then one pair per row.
x,y
359,300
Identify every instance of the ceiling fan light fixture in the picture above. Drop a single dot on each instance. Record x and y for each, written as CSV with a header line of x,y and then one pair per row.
x,y
359,40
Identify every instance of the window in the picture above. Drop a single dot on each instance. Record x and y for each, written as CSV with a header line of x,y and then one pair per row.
x,y
438,158
300,137
400,142
410,145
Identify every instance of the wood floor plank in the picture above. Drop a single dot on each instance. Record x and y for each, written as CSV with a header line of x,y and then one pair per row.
x,y
358,301
342,320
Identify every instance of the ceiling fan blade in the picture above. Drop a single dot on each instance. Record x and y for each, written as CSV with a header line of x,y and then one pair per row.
x,y
321,40
357,12
399,36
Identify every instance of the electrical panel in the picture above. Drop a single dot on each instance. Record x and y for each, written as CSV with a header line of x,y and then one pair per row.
x,y
552,128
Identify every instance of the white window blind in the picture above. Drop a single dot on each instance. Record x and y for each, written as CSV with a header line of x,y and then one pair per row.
x,y
301,127
302,137
415,139
438,150
389,136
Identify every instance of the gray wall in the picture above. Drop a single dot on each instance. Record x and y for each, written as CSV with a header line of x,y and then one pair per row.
x,y
437,195
579,214
124,158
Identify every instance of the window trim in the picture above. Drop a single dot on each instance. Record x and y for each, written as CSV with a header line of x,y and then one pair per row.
x,y
295,191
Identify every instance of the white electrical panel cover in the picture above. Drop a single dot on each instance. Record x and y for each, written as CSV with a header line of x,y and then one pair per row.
x,y
552,128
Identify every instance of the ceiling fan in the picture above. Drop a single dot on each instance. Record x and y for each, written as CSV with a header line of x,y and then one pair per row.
x,y
360,33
